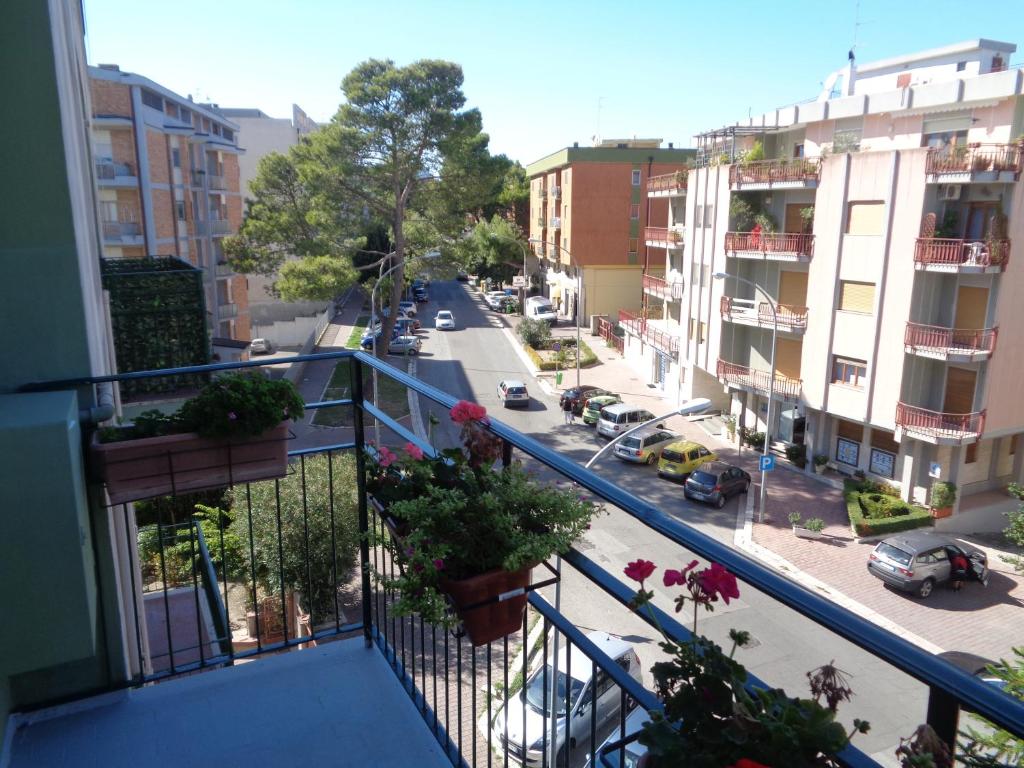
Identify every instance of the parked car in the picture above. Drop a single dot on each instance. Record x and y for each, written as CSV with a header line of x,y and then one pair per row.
x,y
409,307
918,561
406,326
616,419
261,347
593,405
444,321
461,276
402,345
366,342
495,299
680,459
513,392
421,295
629,755
644,446
577,395
714,482
520,724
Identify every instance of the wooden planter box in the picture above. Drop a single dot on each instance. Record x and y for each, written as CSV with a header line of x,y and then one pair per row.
x,y
158,466
503,594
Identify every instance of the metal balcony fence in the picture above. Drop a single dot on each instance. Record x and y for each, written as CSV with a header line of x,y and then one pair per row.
x,y
959,252
668,182
940,425
955,340
108,170
659,286
752,378
663,235
791,315
652,334
440,671
770,244
975,158
800,169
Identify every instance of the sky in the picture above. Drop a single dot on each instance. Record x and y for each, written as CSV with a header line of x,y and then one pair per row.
x,y
543,74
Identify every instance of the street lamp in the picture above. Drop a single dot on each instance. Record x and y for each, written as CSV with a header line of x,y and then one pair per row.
x,y
697,405
373,310
771,386
579,297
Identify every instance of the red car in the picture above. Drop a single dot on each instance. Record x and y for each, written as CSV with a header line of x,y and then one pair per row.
x,y
578,396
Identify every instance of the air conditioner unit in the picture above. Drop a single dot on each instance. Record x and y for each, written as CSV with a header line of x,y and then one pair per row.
x,y
950,191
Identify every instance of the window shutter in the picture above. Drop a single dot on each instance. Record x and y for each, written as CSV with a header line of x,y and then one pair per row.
x,y
857,297
865,218
883,440
850,431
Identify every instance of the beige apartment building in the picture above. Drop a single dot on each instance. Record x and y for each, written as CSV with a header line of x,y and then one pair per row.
x,y
588,212
168,182
879,221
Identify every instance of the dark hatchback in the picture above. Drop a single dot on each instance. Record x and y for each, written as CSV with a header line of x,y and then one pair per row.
x,y
578,396
714,482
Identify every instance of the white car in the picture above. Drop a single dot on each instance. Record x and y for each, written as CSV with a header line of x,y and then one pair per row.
x,y
526,738
401,345
444,321
513,392
409,307
495,298
261,346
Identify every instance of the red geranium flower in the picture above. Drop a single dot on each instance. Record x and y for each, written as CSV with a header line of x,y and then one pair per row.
x,y
464,411
639,570
672,577
718,581
745,762
414,450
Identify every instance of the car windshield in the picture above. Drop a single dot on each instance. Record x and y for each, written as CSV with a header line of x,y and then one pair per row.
x,y
893,553
444,315
538,691
630,442
669,455
517,390
704,478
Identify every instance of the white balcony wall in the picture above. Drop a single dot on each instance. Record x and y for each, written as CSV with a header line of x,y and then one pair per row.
x,y
862,258
847,402
855,335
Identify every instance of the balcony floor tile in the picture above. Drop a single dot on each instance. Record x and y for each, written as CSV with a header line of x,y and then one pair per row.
x,y
337,704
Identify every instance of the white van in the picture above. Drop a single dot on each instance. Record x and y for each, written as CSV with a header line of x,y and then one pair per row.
x,y
540,308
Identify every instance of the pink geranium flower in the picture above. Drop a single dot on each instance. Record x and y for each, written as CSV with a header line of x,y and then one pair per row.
x,y
717,581
672,577
464,411
386,458
639,570
414,450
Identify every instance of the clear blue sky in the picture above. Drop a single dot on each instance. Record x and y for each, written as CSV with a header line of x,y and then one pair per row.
x,y
536,70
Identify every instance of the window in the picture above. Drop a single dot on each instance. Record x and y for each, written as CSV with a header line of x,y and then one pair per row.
x,y
698,216
176,157
1013,444
150,99
636,178
961,66
186,116
971,454
846,137
634,245
798,150
703,333
634,212
229,134
856,297
705,274
864,218
709,213
108,210
849,372
694,273
179,208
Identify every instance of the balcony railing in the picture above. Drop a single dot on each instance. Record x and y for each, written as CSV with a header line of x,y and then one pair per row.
x,y
223,269
951,341
643,328
779,246
758,381
440,673
958,253
556,222
790,316
108,170
556,193
215,181
660,287
606,329
802,171
121,230
938,426
984,162
215,227
672,238
667,184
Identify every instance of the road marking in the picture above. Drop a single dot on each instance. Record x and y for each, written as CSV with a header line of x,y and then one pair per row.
x,y
415,415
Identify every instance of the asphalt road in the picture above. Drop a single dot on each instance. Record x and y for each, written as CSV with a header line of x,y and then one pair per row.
x,y
469,362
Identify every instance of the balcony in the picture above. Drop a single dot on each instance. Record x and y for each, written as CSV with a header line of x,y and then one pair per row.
x,y
111,174
797,173
223,269
937,427
946,254
390,690
542,194
662,288
556,222
215,181
214,227
226,310
755,381
667,185
954,345
556,193
776,246
650,332
663,237
791,318
975,163
122,233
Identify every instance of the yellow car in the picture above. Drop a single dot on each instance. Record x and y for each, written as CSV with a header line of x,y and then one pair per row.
x,y
680,458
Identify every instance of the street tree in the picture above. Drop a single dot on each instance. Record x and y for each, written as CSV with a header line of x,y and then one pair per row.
x,y
492,249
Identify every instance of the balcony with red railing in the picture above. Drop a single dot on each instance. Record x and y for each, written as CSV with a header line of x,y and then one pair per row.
x,y
775,246
795,173
950,254
663,237
980,163
753,380
791,318
938,427
667,185
952,344
651,331
662,288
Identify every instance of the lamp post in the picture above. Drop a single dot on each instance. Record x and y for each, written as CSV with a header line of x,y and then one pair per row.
x,y
579,297
373,310
697,405
522,291
771,385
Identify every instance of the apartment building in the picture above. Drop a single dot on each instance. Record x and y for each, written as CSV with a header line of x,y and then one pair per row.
x,y
878,221
167,172
588,213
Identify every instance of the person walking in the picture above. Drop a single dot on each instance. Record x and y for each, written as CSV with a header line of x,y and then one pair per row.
x,y
570,417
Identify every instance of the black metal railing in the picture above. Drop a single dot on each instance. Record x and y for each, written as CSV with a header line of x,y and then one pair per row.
x,y
443,673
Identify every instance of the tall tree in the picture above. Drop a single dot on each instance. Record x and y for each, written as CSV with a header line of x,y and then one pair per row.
x,y
400,150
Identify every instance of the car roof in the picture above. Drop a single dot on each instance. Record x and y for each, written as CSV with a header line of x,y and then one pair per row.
x,y
582,666
602,397
918,540
512,383
685,445
646,431
444,312
622,408
713,467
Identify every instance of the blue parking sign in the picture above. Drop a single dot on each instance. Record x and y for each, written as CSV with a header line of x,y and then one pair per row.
x,y
766,463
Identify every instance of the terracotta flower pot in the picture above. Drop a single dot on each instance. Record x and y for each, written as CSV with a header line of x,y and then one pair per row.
x,y
494,619
158,466
940,512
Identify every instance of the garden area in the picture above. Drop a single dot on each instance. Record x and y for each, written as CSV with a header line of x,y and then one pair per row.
x,y
548,353
392,397
876,509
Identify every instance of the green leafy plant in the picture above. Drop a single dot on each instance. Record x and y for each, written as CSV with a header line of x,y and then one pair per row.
x,y
179,560
752,438
536,333
1016,490
797,454
755,153
820,459
794,518
992,747
807,217
878,505
950,226
1014,532
815,524
766,221
943,494
914,517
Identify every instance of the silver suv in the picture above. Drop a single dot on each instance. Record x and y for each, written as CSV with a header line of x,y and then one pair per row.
x,y
917,561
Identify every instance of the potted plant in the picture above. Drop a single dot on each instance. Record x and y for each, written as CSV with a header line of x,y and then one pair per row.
x,y
234,430
943,496
711,718
797,454
820,462
474,533
810,530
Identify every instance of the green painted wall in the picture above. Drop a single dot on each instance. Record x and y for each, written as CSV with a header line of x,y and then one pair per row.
x,y
569,155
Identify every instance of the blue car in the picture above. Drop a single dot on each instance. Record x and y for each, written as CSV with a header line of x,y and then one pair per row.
x,y
367,341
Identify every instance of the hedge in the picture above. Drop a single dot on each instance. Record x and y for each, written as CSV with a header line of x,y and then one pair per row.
x,y
915,517
587,359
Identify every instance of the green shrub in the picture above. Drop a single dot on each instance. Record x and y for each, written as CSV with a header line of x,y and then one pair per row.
x,y
181,551
587,358
797,454
871,486
878,506
914,517
752,438
943,494
535,333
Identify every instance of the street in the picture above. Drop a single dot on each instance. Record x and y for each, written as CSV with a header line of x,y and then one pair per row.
x,y
469,362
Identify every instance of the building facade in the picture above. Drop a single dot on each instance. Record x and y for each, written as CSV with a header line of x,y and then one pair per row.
x,y
588,212
168,177
877,222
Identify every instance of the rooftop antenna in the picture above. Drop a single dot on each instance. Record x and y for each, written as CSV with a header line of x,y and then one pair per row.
x,y
597,136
